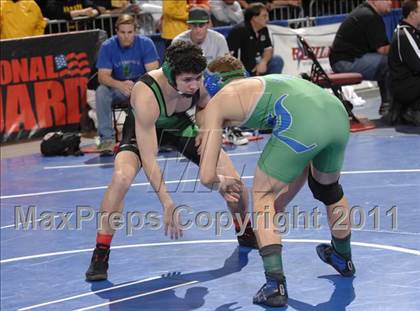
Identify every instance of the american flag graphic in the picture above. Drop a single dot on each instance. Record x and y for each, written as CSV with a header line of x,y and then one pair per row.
x,y
72,64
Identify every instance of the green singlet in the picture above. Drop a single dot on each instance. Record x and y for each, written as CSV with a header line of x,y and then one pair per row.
x,y
308,123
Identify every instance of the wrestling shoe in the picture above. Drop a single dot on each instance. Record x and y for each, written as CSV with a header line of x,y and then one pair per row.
x,y
235,137
98,268
329,255
273,293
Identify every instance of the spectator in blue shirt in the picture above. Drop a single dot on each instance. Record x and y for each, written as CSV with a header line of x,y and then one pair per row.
x,y
122,60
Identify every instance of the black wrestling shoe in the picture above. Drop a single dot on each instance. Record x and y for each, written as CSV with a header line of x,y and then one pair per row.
x,y
329,255
235,137
411,116
98,268
273,293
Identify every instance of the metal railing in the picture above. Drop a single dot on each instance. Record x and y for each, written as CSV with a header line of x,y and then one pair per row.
x,y
287,12
301,22
147,24
104,21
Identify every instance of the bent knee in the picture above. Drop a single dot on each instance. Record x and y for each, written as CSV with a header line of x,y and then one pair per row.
x,y
122,179
326,193
102,90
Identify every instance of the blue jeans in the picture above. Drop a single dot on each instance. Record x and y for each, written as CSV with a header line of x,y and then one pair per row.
x,y
373,67
105,96
275,65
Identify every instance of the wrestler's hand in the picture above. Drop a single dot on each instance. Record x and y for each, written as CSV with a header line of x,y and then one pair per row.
x,y
171,221
230,188
260,68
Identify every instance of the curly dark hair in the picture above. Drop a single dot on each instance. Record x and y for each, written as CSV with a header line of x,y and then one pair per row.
x,y
185,57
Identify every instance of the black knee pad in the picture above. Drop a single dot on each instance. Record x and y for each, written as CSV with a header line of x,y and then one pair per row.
x,y
327,194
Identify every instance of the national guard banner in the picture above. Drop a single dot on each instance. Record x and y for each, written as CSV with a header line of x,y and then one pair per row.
x,y
285,44
43,83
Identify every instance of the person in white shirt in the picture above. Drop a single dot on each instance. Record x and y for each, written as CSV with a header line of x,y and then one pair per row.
x,y
226,12
211,42
214,45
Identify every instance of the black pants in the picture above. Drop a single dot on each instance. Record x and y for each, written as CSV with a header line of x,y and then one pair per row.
x,y
184,145
406,92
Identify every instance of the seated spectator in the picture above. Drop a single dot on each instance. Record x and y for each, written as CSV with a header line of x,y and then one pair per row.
x,y
20,19
69,9
213,45
122,60
226,12
211,42
404,64
114,7
250,42
174,17
361,45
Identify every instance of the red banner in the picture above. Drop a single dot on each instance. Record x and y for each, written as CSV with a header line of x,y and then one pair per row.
x,y
43,83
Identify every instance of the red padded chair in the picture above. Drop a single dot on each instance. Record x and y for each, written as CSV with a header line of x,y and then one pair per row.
x,y
335,81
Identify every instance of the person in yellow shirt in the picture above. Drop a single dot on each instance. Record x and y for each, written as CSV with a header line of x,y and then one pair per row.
x,y
20,19
174,19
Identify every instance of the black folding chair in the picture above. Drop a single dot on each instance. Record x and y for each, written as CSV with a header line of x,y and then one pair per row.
x,y
118,109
